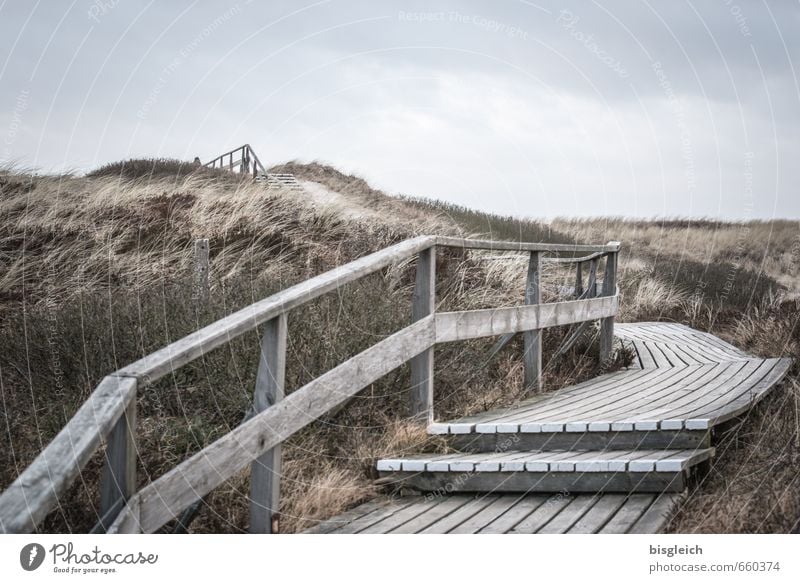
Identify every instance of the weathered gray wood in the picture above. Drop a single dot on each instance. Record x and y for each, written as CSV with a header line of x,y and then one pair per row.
x,y
423,305
597,516
401,517
523,508
162,499
456,326
175,355
119,475
437,507
532,357
591,288
582,259
376,516
609,289
529,481
493,511
609,440
341,520
579,279
462,514
201,270
128,521
544,513
656,516
635,505
568,516
265,472
31,496
519,246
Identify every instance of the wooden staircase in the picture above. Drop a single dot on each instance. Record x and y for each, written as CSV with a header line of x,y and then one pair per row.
x,y
614,450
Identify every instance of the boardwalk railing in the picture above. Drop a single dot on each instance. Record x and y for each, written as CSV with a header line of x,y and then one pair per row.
x,y
242,159
109,415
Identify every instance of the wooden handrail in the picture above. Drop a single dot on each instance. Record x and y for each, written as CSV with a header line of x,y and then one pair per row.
x,y
109,413
246,161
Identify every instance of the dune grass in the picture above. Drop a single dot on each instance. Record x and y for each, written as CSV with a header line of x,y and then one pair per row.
x,y
96,273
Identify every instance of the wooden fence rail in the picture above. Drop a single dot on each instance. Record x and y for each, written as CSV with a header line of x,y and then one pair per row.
x,y
109,415
242,159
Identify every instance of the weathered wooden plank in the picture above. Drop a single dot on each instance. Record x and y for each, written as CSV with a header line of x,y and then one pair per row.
x,y
532,339
635,505
656,516
577,260
186,349
493,511
265,472
455,326
347,517
714,393
523,508
446,505
164,498
599,514
519,246
744,401
462,514
554,416
423,305
31,496
404,516
569,515
536,481
630,406
202,270
376,516
575,392
610,440
545,512
609,289
119,474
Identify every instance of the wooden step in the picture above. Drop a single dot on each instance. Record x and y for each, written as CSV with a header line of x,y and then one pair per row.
x,y
670,408
506,513
547,471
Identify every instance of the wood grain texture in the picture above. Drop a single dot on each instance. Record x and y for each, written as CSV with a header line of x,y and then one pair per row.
x,y
532,339
457,326
31,496
423,305
119,474
164,498
265,472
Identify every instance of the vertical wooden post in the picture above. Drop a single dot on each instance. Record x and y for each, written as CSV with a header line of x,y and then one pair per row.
x,y
579,279
201,270
265,473
609,289
119,475
532,357
424,304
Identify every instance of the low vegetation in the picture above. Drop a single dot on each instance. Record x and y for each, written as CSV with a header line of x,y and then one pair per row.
x,y
96,272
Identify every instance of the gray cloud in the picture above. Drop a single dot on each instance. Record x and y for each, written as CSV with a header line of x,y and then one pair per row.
x,y
532,108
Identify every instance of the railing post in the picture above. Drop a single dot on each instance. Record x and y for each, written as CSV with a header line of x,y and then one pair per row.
x,y
532,339
579,279
609,289
266,470
119,475
201,270
424,304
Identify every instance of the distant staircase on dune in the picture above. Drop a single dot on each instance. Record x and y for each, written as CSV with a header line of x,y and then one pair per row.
x,y
243,160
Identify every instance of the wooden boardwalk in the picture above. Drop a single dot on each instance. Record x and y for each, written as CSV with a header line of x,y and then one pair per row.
x,y
611,454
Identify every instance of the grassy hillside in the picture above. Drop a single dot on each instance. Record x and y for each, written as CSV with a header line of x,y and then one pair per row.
x,y
95,272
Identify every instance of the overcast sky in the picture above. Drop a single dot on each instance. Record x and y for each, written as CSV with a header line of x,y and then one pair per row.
x,y
538,109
